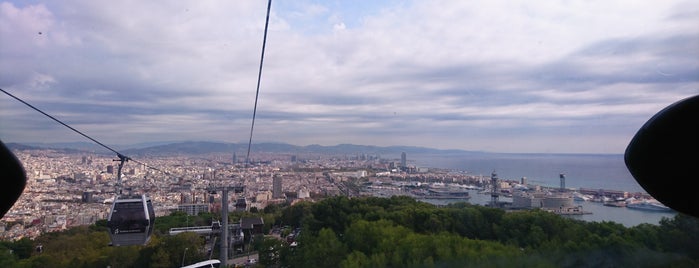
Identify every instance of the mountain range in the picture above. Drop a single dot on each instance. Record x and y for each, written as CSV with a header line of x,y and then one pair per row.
x,y
204,147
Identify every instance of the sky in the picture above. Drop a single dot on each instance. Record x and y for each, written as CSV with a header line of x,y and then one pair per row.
x,y
497,76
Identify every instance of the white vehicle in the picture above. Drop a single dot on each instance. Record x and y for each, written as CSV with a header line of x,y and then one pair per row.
x,y
205,264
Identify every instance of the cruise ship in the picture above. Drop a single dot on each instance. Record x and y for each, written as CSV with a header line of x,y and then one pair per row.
x,y
440,191
447,194
649,205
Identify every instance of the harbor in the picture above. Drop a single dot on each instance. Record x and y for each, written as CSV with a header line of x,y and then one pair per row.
x,y
601,184
591,211
628,209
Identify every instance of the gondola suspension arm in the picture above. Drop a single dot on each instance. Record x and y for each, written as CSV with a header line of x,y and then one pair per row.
x,y
122,159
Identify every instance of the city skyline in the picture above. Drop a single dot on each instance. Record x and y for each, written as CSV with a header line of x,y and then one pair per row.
x,y
562,77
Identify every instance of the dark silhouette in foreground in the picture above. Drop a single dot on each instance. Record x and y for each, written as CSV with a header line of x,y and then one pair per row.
x,y
663,156
13,179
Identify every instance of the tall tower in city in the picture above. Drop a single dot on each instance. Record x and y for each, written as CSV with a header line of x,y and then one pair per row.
x,y
403,160
235,158
563,181
494,190
277,187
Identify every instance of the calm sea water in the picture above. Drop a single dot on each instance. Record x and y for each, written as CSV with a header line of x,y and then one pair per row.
x,y
582,171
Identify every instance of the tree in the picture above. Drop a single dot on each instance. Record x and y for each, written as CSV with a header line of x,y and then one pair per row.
x,y
7,258
356,259
681,234
323,251
161,258
268,250
294,215
22,248
185,246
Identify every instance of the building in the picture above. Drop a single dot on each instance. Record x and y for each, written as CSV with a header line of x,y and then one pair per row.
x,y
193,209
403,160
539,199
352,174
602,192
303,194
262,197
563,181
277,187
87,197
252,225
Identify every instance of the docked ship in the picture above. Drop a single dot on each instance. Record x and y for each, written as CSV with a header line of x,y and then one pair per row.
x,y
577,196
648,205
442,193
615,204
447,194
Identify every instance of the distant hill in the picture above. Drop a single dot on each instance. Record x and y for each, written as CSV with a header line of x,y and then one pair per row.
x,y
190,147
18,146
204,147
200,147
80,146
62,147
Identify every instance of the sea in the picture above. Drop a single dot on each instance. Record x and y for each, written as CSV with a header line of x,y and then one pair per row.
x,y
590,171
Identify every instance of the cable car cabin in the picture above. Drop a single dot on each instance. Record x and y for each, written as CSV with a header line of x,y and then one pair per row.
x,y
131,220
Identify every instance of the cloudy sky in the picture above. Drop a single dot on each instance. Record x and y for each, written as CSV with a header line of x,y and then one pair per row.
x,y
499,76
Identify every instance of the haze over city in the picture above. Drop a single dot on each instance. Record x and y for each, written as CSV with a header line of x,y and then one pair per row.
x,y
499,76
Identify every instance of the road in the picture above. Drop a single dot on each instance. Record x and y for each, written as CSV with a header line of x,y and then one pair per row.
x,y
242,260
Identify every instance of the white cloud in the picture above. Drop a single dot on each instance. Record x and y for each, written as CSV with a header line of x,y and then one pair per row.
x,y
339,26
450,74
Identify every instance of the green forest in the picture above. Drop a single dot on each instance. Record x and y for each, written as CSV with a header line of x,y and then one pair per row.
x,y
385,232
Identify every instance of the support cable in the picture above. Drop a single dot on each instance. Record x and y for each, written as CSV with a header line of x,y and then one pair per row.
x,y
121,157
259,77
60,122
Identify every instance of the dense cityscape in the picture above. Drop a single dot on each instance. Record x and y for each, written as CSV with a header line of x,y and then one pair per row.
x,y
77,188
293,209
69,188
